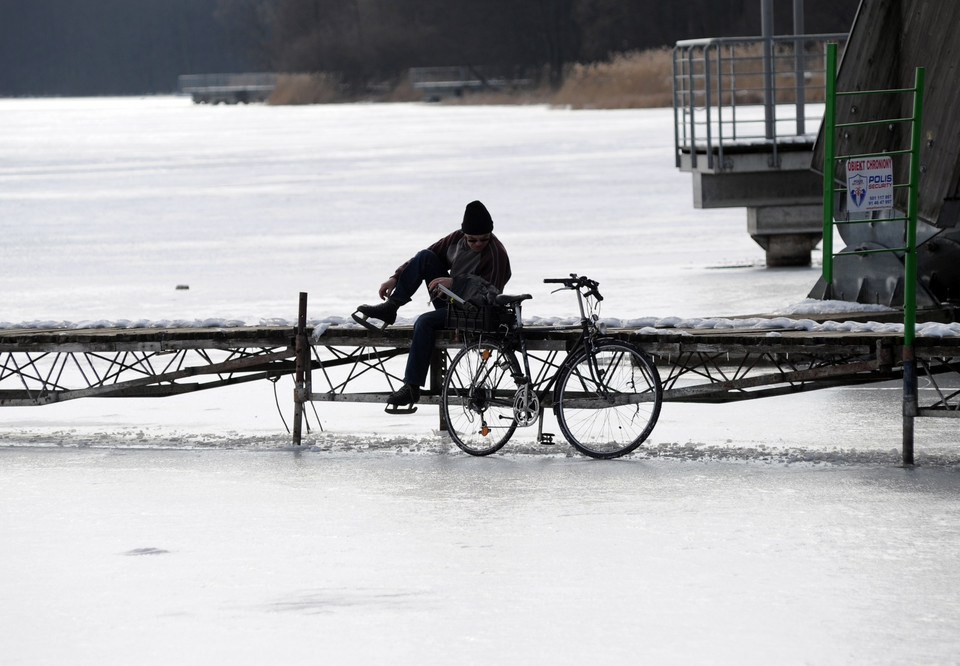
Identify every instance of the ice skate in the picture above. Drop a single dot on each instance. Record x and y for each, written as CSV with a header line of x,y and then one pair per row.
x,y
385,312
403,400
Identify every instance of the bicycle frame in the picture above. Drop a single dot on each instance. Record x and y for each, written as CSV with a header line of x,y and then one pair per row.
x,y
541,390
596,390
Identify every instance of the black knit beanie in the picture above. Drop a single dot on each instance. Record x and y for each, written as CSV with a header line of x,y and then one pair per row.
x,y
476,219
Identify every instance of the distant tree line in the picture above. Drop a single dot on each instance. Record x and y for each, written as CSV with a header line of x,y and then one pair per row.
x,y
92,47
364,40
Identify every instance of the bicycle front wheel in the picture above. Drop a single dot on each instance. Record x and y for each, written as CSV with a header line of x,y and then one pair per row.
x,y
608,399
477,399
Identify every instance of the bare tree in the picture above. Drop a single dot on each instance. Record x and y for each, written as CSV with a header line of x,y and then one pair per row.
x,y
249,24
362,40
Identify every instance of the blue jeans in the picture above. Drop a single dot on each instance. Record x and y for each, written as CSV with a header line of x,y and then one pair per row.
x,y
423,268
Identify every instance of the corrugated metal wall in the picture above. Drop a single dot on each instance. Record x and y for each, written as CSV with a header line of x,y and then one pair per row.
x,y
889,39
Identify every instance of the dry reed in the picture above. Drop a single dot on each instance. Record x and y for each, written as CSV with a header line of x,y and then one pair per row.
x,y
638,79
305,89
628,80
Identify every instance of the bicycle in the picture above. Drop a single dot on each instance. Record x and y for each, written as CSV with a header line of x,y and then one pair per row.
x,y
606,393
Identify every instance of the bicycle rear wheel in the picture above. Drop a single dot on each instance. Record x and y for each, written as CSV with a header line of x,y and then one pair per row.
x,y
607,400
477,399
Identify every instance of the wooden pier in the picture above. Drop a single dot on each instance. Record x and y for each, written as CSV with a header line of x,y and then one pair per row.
x,y
352,364
228,88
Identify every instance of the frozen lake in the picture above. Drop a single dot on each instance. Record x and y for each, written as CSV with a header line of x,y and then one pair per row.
x,y
184,530
197,557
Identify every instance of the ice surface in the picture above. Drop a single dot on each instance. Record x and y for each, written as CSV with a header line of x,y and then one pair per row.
x,y
247,557
185,530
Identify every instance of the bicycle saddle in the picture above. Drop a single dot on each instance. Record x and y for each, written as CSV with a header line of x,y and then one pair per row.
x,y
506,299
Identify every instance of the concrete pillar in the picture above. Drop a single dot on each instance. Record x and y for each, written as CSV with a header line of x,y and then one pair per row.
x,y
787,233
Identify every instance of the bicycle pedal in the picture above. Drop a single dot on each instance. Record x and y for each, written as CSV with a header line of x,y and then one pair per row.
x,y
546,439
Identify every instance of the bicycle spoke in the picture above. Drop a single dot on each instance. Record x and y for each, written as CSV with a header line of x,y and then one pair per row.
x,y
608,401
477,400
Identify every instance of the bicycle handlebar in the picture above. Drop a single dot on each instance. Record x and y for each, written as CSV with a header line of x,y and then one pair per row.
x,y
578,282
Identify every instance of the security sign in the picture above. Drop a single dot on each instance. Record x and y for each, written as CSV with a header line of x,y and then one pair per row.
x,y
869,184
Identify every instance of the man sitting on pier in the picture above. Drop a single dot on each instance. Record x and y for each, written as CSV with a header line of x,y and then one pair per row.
x,y
469,259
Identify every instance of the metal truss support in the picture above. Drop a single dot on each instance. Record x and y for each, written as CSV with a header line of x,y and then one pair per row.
x,y
49,377
347,364
717,377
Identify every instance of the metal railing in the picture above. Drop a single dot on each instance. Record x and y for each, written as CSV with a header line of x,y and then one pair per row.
x,y
456,80
759,91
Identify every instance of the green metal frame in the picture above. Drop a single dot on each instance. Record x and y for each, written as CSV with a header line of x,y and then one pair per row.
x,y
830,126
830,190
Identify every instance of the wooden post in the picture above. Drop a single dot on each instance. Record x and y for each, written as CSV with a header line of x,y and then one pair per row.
x,y
438,368
303,358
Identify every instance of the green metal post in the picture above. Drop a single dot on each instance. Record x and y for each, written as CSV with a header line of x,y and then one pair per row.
x,y
910,260
910,392
829,120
